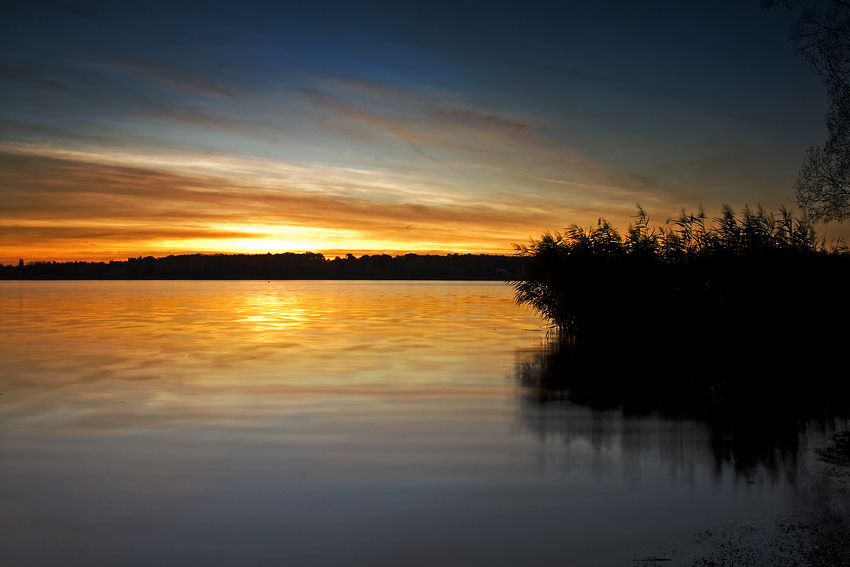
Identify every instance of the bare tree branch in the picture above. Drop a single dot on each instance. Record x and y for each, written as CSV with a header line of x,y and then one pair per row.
x,y
822,35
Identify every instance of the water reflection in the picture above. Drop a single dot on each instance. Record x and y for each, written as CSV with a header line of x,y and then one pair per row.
x,y
756,426
206,333
223,423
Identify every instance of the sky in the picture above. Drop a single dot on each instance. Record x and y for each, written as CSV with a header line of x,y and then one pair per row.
x,y
154,128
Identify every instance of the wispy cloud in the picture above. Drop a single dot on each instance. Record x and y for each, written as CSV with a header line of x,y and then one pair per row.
x,y
173,77
164,128
120,201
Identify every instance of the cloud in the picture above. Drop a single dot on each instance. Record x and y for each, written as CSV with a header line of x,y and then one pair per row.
x,y
55,198
174,77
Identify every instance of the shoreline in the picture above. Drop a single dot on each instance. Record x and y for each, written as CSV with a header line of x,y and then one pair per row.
x,y
811,530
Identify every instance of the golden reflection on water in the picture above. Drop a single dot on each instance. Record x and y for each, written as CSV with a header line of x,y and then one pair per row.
x,y
230,342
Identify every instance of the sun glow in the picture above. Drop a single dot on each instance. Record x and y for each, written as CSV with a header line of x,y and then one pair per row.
x,y
105,205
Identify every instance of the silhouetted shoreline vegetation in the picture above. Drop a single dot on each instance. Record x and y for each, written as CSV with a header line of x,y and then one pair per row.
x,y
760,296
286,266
740,326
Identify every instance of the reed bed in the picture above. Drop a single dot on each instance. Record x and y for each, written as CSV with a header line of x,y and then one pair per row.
x,y
749,294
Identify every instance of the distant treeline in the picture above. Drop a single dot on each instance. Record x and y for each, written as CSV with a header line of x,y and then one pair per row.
x,y
276,267
759,295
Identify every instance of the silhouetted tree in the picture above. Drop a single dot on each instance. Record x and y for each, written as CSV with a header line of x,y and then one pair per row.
x,y
822,34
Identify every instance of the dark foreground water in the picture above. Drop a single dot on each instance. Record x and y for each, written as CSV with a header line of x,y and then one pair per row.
x,y
337,423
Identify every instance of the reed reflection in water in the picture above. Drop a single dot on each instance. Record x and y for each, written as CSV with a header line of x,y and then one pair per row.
x,y
322,423
751,422
738,432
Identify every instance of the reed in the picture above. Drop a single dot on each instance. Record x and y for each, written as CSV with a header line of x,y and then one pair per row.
x,y
737,287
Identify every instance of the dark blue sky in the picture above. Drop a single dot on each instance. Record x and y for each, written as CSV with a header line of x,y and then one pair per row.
x,y
156,127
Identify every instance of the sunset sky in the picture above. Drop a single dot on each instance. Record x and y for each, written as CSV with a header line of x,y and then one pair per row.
x,y
153,128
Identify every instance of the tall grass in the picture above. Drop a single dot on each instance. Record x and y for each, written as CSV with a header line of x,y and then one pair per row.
x,y
737,287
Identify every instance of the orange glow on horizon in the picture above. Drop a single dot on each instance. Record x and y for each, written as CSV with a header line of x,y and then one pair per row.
x,y
65,204
96,205
120,254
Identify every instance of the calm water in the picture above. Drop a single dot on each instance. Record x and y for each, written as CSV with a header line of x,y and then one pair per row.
x,y
329,423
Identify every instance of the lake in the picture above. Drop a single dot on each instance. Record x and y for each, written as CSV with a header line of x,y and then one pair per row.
x,y
337,423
